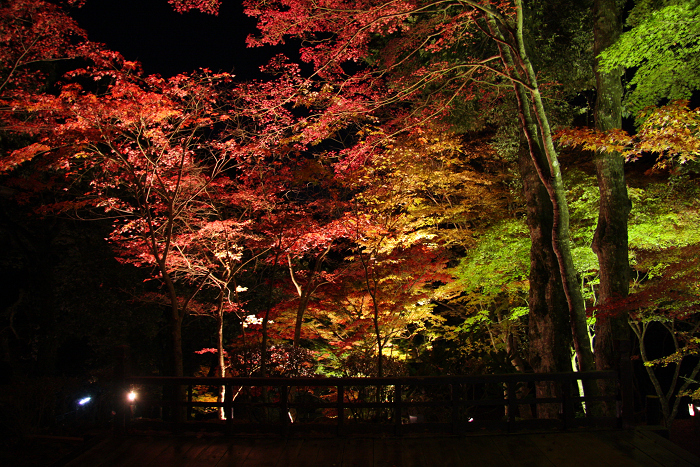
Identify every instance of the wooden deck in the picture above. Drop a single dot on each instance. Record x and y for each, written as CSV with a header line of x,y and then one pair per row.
x,y
593,448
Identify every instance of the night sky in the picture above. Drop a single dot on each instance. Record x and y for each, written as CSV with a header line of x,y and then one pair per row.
x,y
169,43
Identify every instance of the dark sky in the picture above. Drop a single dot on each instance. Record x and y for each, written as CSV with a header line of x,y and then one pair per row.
x,y
168,43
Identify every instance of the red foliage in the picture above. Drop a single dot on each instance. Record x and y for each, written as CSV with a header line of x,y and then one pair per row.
x,y
205,6
35,32
672,295
670,132
201,175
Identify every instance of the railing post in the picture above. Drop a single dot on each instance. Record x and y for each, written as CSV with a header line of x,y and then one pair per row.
x,y
626,412
284,408
228,408
190,409
454,416
566,403
341,409
512,404
178,396
398,406
121,371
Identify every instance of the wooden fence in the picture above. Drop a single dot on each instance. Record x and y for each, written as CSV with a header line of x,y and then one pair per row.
x,y
454,404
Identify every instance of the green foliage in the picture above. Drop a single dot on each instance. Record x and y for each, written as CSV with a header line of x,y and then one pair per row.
x,y
663,217
583,198
486,303
499,263
664,47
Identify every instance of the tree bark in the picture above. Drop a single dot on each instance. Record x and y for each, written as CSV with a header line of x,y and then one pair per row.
x,y
610,239
549,330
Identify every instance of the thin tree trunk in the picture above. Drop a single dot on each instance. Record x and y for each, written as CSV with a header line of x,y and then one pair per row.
x,y
175,321
175,326
266,316
306,292
221,361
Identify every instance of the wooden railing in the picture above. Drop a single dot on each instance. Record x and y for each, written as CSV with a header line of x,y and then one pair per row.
x,y
455,404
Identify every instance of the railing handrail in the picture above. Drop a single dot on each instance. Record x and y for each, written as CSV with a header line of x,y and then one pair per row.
x,y
374,381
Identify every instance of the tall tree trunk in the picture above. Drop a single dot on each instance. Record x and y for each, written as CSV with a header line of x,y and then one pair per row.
x,y
372,287
557,194
549,330
535,125
610,239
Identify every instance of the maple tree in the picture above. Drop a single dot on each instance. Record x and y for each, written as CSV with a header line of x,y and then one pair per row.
x,y
670,301
385,53
397,259
311,218
145,146
35,34
291,221
212,255
384,297
661,46
436,186
663,310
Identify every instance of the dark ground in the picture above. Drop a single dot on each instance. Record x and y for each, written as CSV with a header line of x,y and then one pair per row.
x,y
56,451
684,434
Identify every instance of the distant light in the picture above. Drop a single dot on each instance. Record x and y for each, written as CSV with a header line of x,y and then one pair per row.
x,y
131,396
471,419
692,409
84,400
